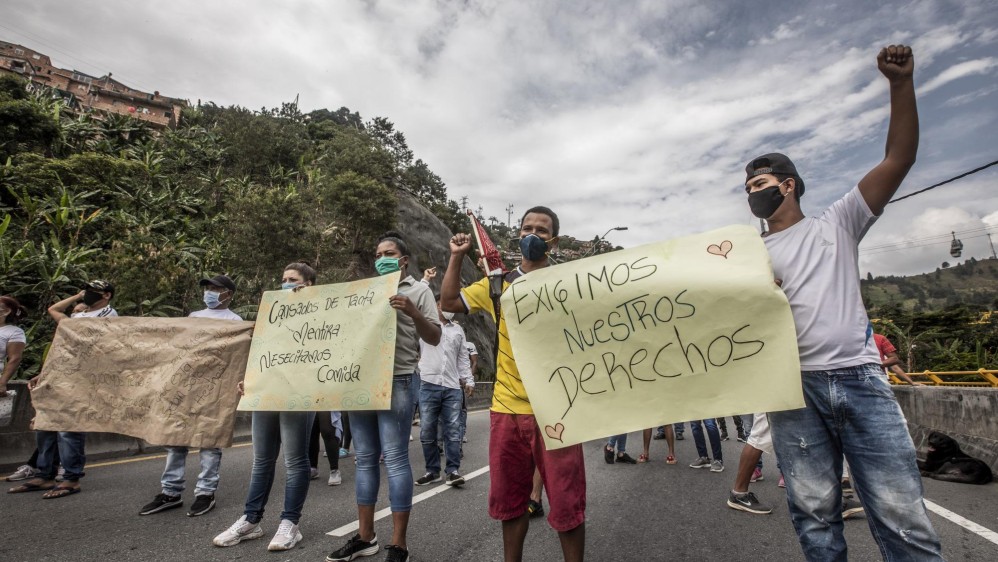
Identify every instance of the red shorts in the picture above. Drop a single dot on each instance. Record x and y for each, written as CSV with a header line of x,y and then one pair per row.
x,y
515,448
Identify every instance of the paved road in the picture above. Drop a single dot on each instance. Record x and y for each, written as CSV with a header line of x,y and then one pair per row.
x,y
643,512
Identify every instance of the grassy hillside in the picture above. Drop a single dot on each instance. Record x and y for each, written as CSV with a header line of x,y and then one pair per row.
x,y
973,284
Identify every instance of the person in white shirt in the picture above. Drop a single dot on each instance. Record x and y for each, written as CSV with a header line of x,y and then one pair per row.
x,y
463,418
96,295
12,340
850,408
443,369
217,296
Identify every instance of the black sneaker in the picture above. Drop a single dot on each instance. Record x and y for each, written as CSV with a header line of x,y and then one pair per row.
x,y
626,459
428,478
659,436
202,504
747,502
535,509
679,436
608,455
454,479
724,436
742,438
162,502
396,554
355,548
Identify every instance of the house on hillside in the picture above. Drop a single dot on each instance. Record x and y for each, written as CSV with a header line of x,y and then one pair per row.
x,y
83,92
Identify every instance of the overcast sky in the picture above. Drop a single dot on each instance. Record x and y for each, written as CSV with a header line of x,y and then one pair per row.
x,y
637,114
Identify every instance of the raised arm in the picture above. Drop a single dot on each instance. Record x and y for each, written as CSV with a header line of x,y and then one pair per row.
x,y
897,63
58,310
450,289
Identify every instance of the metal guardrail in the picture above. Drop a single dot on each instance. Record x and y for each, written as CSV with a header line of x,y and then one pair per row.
x,y
981,378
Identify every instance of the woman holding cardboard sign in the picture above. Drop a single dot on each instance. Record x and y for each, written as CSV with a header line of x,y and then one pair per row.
x,y
387,431
271,430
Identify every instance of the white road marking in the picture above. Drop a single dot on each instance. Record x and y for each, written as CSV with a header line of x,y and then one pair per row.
x,y
962,521
350,528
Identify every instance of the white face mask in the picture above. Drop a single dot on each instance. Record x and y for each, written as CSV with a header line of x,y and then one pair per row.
x,y
448,316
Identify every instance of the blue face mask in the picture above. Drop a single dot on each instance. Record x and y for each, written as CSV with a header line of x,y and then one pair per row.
x,y
532,248
288,286
211,299
386,265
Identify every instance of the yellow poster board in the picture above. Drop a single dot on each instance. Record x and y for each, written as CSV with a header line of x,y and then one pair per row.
x,y
691,328
323,348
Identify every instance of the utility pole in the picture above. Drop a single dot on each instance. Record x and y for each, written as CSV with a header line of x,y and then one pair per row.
x,y
509,215
993,255
478,212
464,202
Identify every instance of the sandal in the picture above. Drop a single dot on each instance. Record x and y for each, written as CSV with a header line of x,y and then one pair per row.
x,y
36,485
670,460
642,458
61,491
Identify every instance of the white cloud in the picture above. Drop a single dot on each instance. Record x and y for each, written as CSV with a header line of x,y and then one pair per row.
x,y
639,114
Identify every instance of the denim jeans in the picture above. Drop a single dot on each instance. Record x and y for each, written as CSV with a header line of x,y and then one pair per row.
x,y
386,431
712,434
72,453
679,428
462,418
617,442
439,405
271,430
852,412
176,462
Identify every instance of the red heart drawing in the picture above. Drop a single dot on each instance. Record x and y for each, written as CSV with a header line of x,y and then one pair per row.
x,y
721,250
555,431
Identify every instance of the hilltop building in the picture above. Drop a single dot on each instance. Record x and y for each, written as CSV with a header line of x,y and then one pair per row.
x,y
84,92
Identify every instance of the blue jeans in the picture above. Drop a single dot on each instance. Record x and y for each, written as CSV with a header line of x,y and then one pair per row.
x,y
270,431
618,442
852,412
72,453
712,434
386,431
440,405
679,428
176,462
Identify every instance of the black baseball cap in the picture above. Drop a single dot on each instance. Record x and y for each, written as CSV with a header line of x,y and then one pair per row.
x,y
774,163
100,286
219,281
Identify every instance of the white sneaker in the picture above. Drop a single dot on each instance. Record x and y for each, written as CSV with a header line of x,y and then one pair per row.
x,y
286,538
334,478
23,472
60,474
241,530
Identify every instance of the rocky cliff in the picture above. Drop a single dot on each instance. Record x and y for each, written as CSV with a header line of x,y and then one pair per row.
x,y
428,240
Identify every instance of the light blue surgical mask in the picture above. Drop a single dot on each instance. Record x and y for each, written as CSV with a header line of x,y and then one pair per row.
x,y
211,299
288,286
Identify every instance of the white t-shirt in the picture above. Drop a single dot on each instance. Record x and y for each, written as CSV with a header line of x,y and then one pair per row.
x,y
217,313
818,261
9,334
106,312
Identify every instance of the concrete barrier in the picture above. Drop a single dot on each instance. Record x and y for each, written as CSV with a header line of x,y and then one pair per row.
x,y
17,440
966,414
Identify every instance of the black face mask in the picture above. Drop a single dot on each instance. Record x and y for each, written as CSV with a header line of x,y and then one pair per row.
x,y
91,297
765,202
